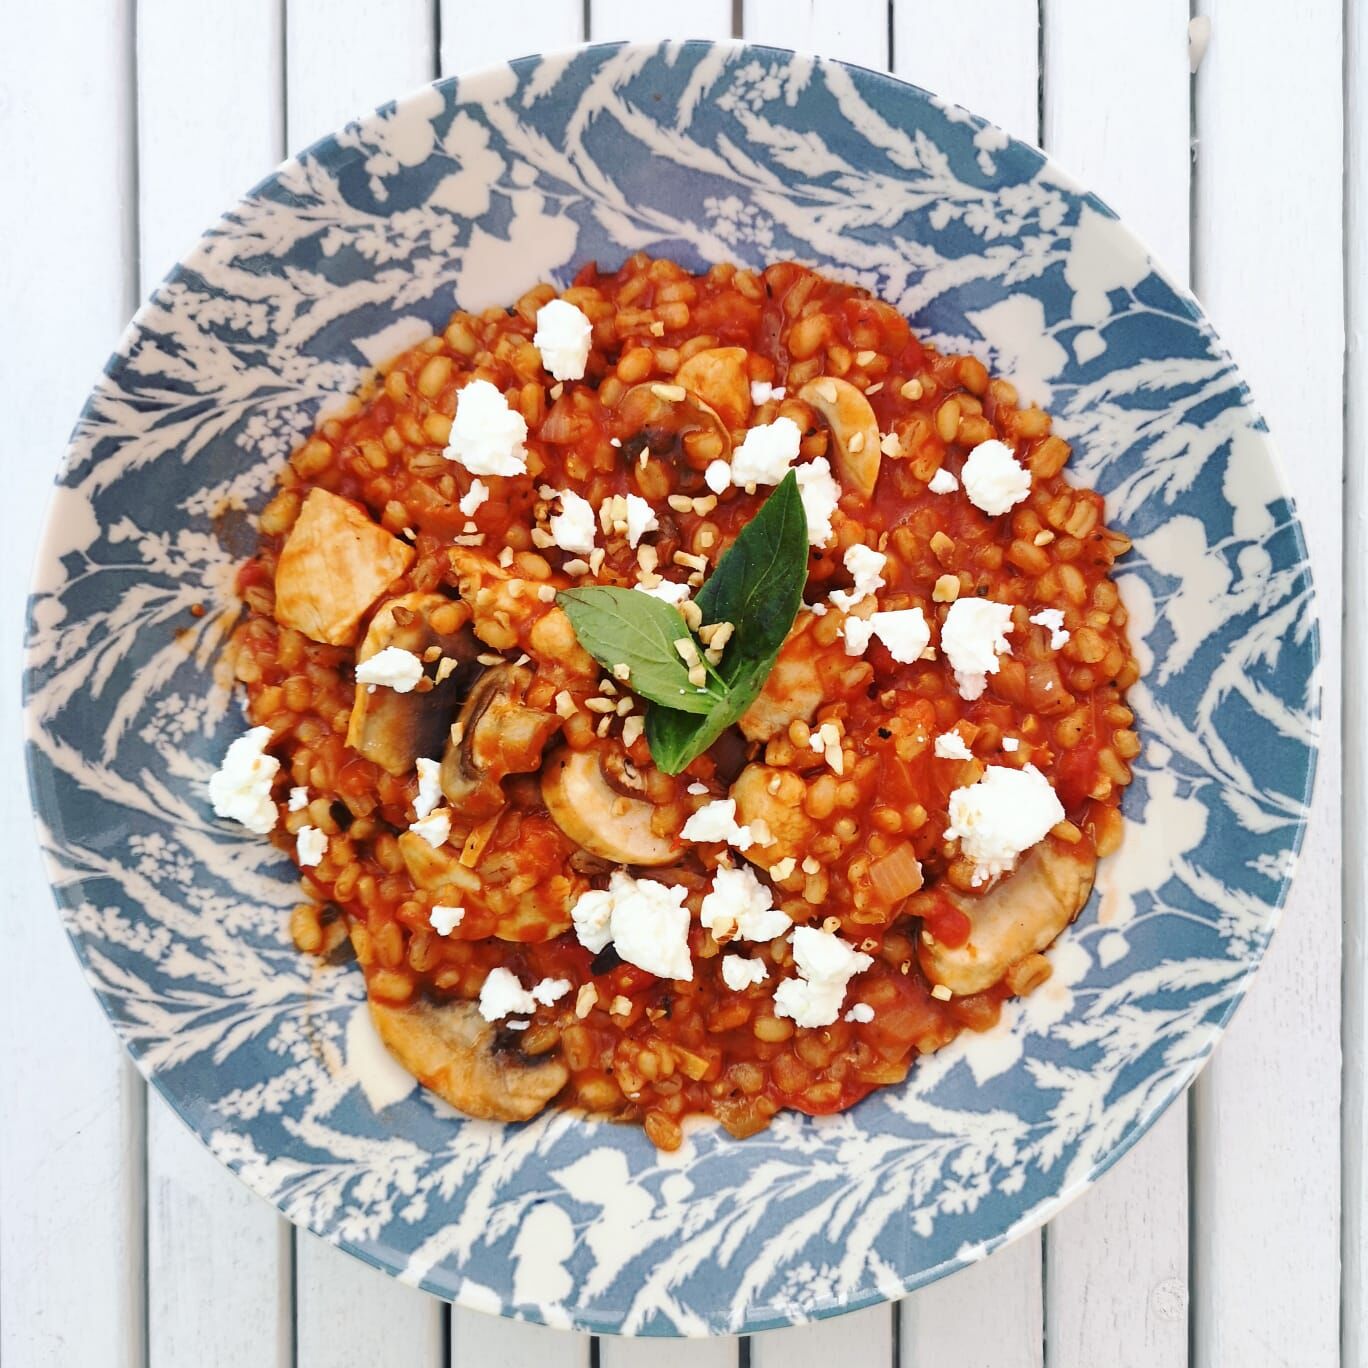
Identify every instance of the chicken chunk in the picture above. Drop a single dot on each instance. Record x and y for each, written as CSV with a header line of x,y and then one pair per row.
x,y
335,563
773,797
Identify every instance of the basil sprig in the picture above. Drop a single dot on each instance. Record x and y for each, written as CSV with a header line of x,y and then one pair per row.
x,y
757,586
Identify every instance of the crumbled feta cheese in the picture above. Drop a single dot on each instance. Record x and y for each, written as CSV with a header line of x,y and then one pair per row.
x,y
486,435
950,746
241,788
641,519
820,494
435,828
857,634
551,990
974,635
718,476
739,973
866,567
563,337
429,787
1006,812
572,528
473,498
993,478
861,1012
645,920
904,631
668,591
393,668
766,453
696,789
444,920
739,899
592,916
943,482
826,965
310,845
502,995
299,798
1010,743
716,821
762,392
1052,619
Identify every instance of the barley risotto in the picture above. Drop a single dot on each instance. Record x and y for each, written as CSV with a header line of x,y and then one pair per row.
x,y
683,694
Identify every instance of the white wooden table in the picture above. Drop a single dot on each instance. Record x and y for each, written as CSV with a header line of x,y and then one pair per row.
x,y
1234,1234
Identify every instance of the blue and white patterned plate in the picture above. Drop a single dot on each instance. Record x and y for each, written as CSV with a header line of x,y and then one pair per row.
x,y
469,192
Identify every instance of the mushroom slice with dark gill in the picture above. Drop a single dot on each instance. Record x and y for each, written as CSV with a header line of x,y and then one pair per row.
x,y
497,734
854,429
451,1049
394,729
1018,917
600,802
670,421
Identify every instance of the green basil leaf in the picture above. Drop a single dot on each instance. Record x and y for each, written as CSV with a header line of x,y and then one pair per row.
x,y
758,586
626,627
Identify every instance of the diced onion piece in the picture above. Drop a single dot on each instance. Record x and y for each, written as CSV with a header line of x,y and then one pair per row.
x,y
896,875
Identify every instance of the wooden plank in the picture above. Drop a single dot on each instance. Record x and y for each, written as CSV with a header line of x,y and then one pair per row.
x,y
996,75
350,1315
989,1315
986,59
502,32
480,1341
209,117
218,1259
677,1353
71,1146
863,1339
853,30
345,57
1117,1259
1355,1120
1269,265
610,20
210,123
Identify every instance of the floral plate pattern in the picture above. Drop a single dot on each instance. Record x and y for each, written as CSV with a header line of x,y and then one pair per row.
x,y
468,192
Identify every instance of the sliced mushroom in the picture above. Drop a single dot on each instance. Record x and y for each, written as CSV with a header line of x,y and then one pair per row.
x,y
335,563
718,376
393,729
774,797
451,1049
853,427
1019,916
600,804
497,734
668,420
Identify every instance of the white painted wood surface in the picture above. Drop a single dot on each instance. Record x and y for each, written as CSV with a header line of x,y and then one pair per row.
x,y
123,1243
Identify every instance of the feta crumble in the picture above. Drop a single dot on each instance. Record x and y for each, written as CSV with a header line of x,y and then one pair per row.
x,y
718,476
645,920
1010,743
762,392
486,435
444,920
668,591
299,798
942,482
994,479
904,631
550,990
473,498
502,995
737,898
766,453
572,529
820,493
1052,619
866,567
429,787
310,846
563,337
393,668
641,519
241,788
716,821
1005,813
973,636
435,828
739,973
950,746
826,965
861,1012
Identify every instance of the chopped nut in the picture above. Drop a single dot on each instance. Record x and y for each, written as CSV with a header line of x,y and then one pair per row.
x,y
911,389
1044,538
546,593
691,613
810,866
941,993
704,504
506,557
585,1000
946,589
604,724
781,869
621,1005
657,328
542,538
698,675
632,728
863,358
576,567
647,557
688,650
941,546
596,559
890,445
557,390
490,658
622,670
855,443
625,705
831,925
690,561
444,668
600,705
681,503
672,394
565,704
875,387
